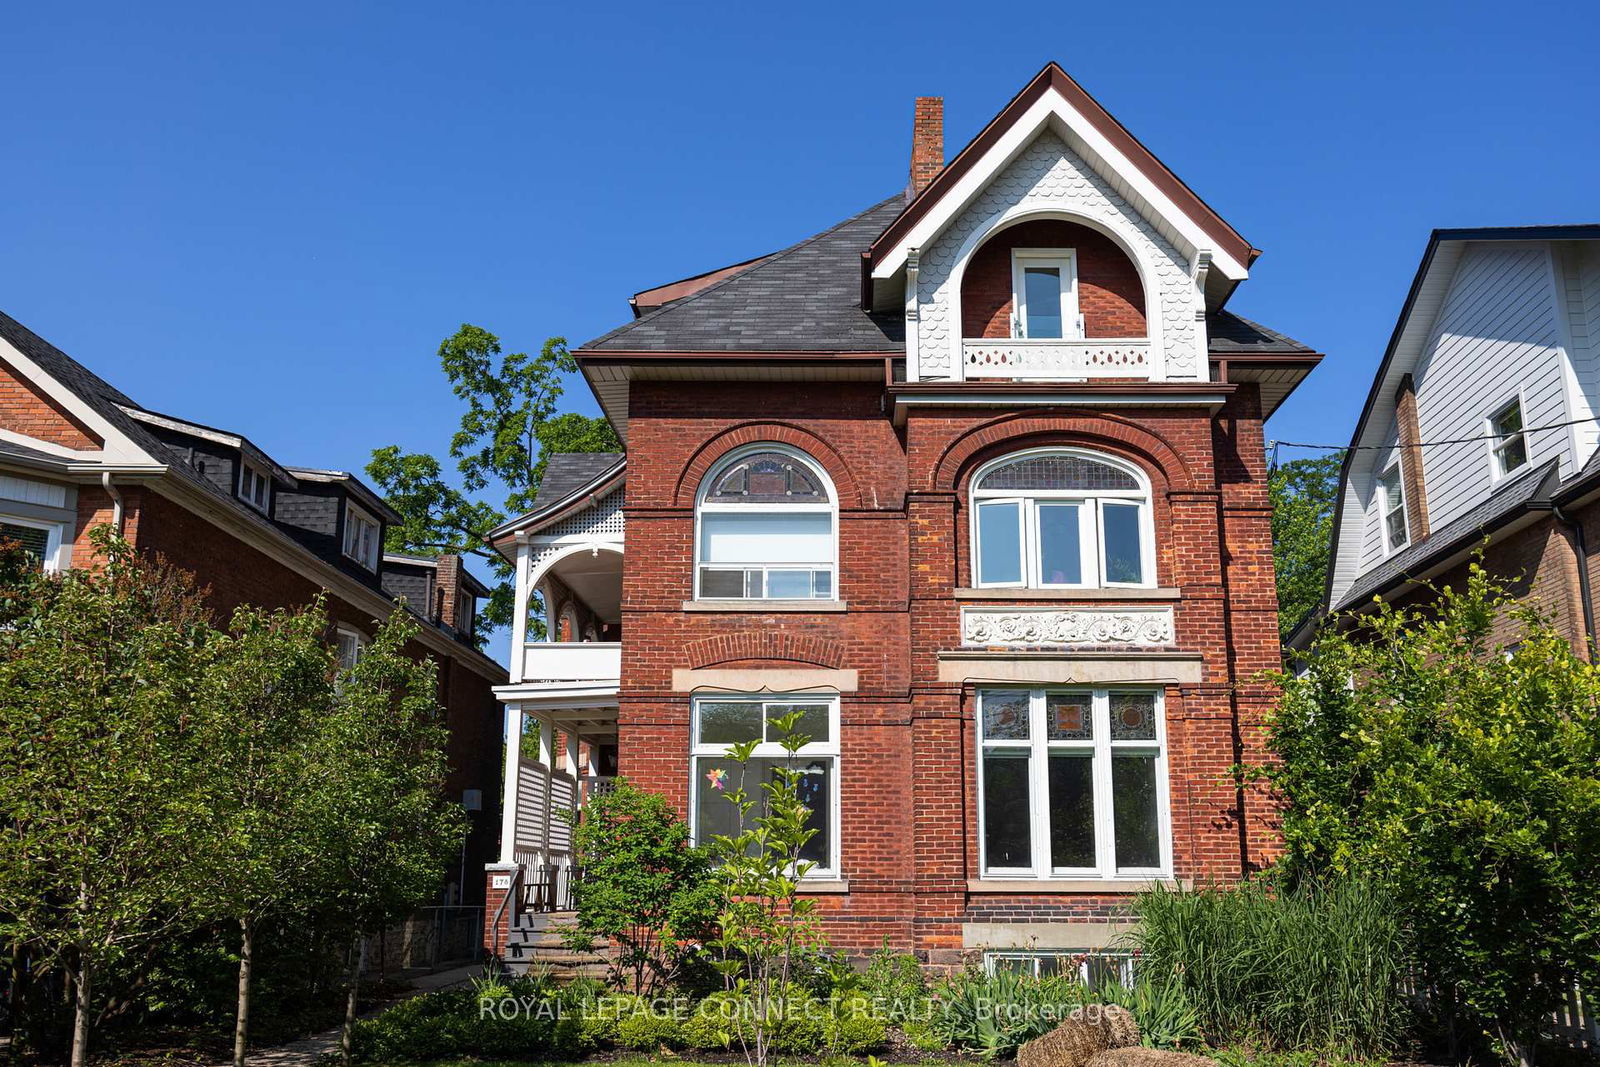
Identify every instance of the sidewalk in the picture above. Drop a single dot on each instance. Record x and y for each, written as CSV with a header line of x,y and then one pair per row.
x,y
308,1050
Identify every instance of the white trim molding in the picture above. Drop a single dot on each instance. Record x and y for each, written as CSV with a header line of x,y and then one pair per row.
x,y
1022,627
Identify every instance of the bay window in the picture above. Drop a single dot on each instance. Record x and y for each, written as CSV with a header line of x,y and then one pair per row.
x,y
766,529
1072,783
721,721
1061,518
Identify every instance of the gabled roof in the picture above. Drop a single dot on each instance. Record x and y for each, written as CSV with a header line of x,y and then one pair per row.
x,y
1052,97
1429,289
211,433
572,482
803,298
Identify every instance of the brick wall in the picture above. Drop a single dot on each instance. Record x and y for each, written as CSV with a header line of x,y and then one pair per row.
x,y
26,410
1110,295
908,785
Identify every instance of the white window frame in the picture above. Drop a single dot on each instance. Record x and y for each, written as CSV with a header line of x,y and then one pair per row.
x,y
1091,520
773,750
56,544
1066,261
1124,960
1101,748
1498,445
358,643
1395,469
831,508
249,475
352,515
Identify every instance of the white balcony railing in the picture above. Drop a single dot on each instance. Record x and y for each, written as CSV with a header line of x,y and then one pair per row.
x,y
1055,358
572,661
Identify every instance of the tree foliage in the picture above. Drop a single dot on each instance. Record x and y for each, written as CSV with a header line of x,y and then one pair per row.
x,y
509,430
646,887
102,769
1459,774
1304,493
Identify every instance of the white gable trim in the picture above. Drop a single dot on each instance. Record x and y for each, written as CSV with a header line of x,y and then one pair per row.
x,y
118,447
1100,153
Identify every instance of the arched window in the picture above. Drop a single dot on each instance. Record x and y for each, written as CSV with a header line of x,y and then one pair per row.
x,y
766,529
1061,518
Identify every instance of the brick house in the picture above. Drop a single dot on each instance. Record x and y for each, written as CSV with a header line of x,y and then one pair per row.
x,y
1481,430
75,452
974,479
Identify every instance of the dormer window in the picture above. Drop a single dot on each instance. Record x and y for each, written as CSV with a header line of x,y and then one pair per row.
x,y
1044,294
361,537
255,487
466,606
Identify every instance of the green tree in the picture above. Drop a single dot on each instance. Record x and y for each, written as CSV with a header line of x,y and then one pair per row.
x,y
766,931
507,434
1461,776
645,886
269,691
103,772
1304,493
379,817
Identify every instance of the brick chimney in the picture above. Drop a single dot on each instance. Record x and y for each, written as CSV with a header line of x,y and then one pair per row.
x,y
927,143
449,584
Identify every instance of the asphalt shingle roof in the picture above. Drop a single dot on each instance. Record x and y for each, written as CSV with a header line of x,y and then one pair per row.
x,y
804,298
1508,498
1235,333
567,472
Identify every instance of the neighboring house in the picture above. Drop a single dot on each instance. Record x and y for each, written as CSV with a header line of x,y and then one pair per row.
x,y
76,453
975,479
1480,429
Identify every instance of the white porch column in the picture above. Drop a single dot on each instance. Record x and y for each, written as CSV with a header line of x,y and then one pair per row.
x,y
508,798
572,753
519,613
547,757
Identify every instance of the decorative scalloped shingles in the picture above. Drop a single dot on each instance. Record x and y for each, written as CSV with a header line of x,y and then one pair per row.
x,y
1049,173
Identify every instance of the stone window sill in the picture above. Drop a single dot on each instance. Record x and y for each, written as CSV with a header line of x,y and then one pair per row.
x,y
763,607
824,885
1071,885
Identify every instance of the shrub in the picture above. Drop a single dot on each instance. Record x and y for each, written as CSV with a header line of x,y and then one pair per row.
x,y
453,1023
647,1031
1166,1018
1419,753
852,1026
646,888
964,1012
1307,968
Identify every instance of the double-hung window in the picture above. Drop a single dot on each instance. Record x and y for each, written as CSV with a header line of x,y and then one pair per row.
x,y
766,529
1064,519
349,644
255,488
1072,783
1392,509
1510,444
1044,294
722,721
361,537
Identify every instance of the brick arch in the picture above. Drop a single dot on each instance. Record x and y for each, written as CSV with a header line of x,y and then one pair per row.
x,y
1108,432
753,433
764,645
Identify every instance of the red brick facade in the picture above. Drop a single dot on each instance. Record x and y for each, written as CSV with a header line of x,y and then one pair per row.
x,y
1110,295
908,813
26,409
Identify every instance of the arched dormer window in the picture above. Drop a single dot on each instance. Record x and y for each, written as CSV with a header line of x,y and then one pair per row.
x,y
766,529
1061,518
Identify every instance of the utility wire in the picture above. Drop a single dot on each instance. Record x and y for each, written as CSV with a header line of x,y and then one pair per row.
x,y
1275,445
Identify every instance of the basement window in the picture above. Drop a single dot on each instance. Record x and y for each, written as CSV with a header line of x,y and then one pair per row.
x,y
1392,506
1094,968
1510,446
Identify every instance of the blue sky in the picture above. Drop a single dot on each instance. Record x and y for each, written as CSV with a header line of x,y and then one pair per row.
x,y
266,217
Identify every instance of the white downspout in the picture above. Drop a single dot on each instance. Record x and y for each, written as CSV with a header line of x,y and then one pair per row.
x,y
116,500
